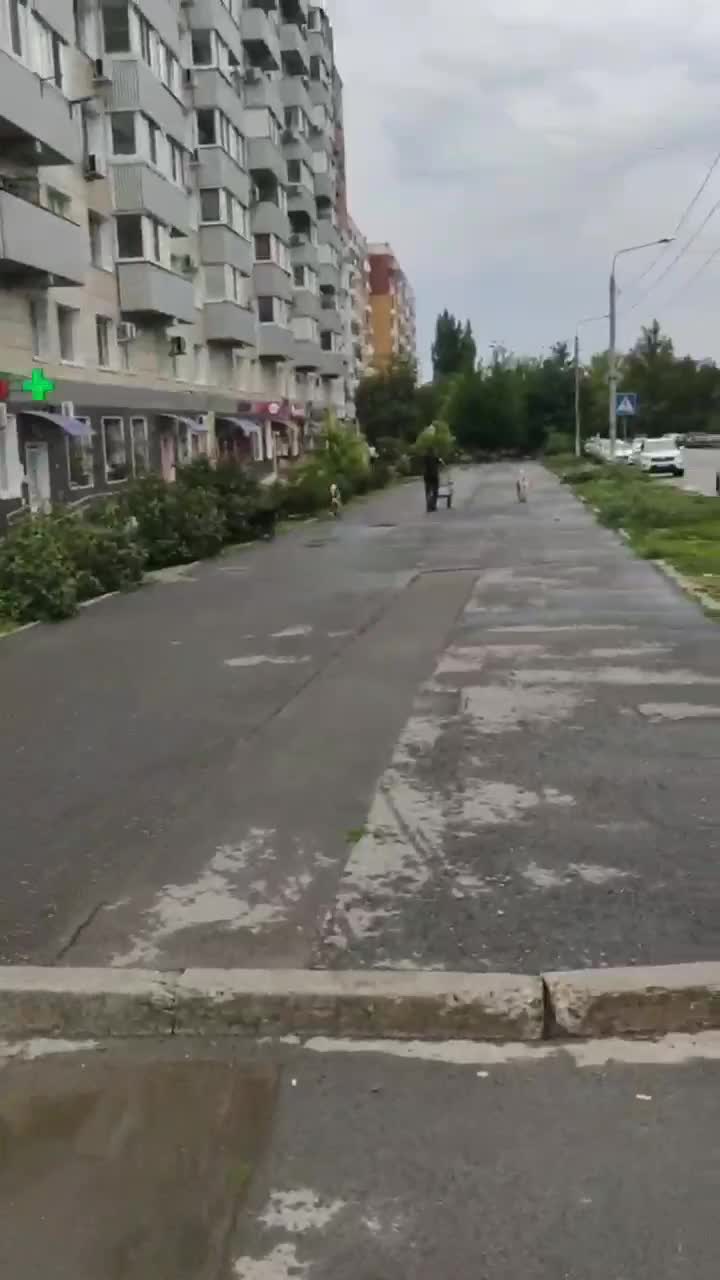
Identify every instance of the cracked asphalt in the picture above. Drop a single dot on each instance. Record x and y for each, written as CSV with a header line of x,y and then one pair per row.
x,y
486,739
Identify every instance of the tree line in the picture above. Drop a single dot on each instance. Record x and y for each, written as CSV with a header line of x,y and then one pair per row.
x,y
518,404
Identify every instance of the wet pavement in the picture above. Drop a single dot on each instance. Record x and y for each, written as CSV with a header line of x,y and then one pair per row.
x,y
344,1161
482,740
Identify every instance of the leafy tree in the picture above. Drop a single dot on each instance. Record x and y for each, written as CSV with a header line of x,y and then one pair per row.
x,y
454,349
387,402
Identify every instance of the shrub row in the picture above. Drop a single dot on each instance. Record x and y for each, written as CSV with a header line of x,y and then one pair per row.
x,y
50,564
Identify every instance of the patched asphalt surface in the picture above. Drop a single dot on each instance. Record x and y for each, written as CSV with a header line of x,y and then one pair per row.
x,y
222,1162
482,740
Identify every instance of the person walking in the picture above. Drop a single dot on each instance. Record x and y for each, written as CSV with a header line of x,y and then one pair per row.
x,y
431,475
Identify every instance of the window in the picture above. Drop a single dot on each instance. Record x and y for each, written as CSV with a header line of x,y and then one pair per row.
x,y
96,231
58,203
263,248
129,235
123,133
140,446
102,334
294,171
145,39
314,67
157,249
177,163
237,216
116,29
114,448
202,52
80,459
206,127
326,340
210,205
153,132
266,310
18,20
66,318
38,326
299,277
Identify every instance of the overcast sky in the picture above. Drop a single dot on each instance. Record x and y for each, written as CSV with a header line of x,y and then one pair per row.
x,y
507,148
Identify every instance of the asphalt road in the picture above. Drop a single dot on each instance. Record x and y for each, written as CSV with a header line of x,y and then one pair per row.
x,y
341,1162
486,739
701,470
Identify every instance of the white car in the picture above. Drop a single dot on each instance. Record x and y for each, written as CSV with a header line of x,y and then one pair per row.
x,y
636,449
662,457
623,452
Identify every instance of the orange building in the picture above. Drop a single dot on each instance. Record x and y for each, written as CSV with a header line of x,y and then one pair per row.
x,y
392,304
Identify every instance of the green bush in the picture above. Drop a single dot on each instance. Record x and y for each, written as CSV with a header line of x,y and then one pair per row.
x,y
37,579
176,522
103,550
558,442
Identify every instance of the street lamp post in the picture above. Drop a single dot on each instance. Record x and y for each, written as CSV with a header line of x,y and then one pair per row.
x,y
612,349
578,387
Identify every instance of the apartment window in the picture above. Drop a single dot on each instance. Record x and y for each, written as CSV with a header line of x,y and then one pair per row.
x,y
38,326
156,242
299,279
210,205
140,446
123,133
237,216
207,136
116,29
294,170
80,459
129,235
145,38
97,231
314,67
67,319
202,50
102,335
115,449
18,20
326,340
266,310
58,203
153,132
263,248
177,163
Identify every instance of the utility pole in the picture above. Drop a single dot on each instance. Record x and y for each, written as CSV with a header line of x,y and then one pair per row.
x,y
578,432
612,361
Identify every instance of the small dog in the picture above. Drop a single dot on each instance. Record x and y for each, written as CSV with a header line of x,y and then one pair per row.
x,y
522,487
335,500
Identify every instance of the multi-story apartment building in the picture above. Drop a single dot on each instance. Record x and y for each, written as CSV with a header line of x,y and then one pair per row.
x,y
392,303
358,315
170,248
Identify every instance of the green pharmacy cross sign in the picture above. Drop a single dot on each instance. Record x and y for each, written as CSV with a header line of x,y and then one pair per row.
x,y
37,384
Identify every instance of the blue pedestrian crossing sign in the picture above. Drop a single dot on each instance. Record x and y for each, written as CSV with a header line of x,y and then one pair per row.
x,y
627,404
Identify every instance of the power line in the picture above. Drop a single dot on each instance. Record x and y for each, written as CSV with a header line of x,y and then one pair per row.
x,y
695,276
674,261
683,220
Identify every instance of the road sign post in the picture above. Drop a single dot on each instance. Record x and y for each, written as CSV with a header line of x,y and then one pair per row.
x,y
626,407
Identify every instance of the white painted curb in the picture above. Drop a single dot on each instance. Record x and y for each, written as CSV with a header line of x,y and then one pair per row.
x,y
654,1001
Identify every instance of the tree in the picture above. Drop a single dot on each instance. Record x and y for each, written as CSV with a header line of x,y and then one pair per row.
x,y
454,350
387,402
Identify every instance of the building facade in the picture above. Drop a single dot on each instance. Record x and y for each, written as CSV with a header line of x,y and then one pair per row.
x,y
392,305
172,272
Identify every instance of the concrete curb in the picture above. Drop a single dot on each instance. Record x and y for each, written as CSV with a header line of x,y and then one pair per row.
x,y
75,1003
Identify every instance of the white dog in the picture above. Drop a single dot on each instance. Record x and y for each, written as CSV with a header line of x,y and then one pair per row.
x,y
523,487
335,500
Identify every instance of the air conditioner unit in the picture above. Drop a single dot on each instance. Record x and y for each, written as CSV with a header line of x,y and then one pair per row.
x,y
93,168
126,332
195,156
178,347
67,409
101,72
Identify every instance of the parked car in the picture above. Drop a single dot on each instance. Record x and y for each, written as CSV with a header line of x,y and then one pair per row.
x,y
623,452
662,457
636,449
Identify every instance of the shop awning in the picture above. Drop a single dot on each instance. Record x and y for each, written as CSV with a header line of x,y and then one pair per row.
x,y
245,425
190,423
71,426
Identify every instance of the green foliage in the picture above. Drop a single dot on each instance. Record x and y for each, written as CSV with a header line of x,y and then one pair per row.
x,y
36,573
387,402
341,458
454,350
103,551
439,438
178,522
558,443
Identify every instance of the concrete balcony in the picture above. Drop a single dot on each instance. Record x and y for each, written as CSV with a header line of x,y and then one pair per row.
x,y
260,91
320,94
217,169
329,234
136,88
306,303
294,94
329,276
297,11
302,200
153,293
319,47
230,325
38,248
219,244
213,90
269,219
325,187
270,281
297,147
260,38
303,252
294,50
275,342
208,15
37,124
137,188
330,319
264,157
307,356
332,364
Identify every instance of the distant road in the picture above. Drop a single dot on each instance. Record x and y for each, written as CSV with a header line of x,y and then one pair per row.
x,y
701,468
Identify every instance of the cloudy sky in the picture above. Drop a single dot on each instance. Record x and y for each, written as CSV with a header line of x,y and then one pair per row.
x,y
507,148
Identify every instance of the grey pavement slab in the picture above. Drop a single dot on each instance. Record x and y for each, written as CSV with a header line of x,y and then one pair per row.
x,y
485,740
336,1161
